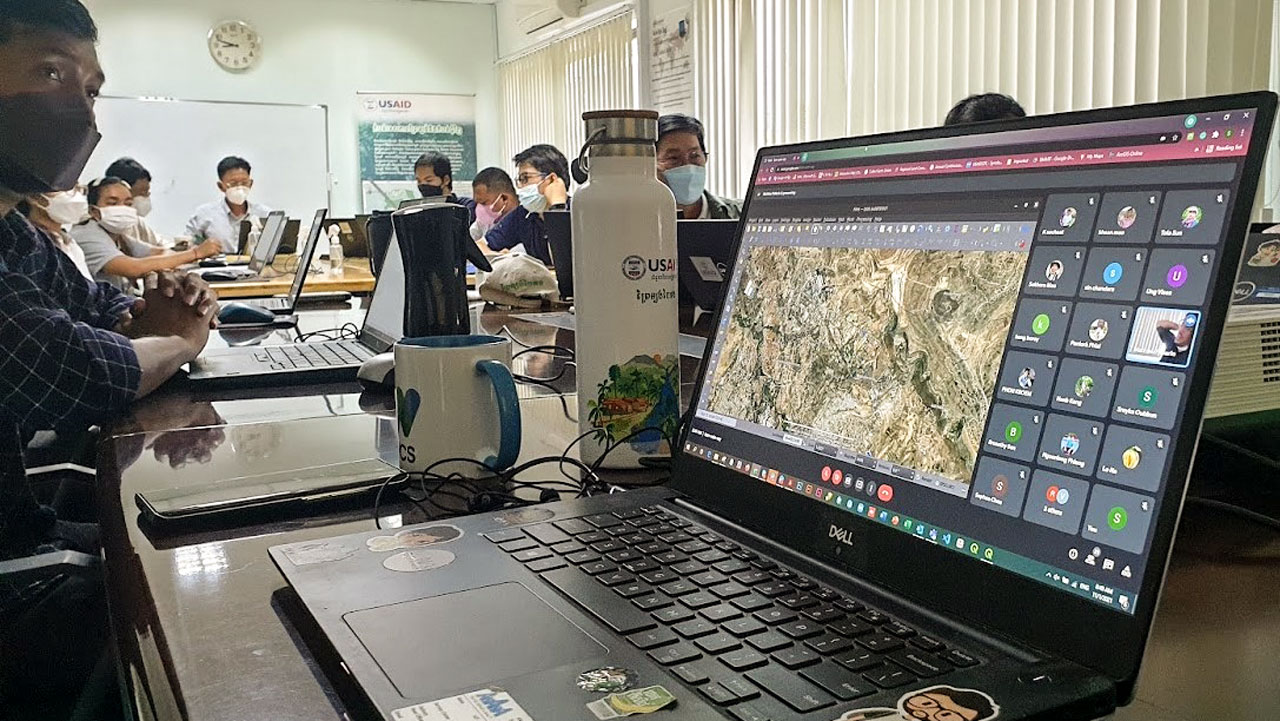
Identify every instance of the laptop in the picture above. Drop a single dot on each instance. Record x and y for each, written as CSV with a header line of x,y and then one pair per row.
x,y
923,478
326,362
284,305
288,243
559,229
264,253
705,250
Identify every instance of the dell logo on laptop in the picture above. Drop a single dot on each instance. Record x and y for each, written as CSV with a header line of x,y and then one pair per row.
x,y
843,535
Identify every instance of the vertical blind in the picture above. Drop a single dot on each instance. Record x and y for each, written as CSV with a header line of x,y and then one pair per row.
x,y
778,71
545,92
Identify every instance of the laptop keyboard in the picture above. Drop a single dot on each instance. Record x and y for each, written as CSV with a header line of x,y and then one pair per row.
x,y
313,355
681,593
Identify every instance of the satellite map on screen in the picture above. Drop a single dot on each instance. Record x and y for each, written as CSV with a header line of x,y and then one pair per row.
x,y
888,352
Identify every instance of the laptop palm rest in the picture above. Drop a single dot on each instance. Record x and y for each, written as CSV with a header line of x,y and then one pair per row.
x,y
435,646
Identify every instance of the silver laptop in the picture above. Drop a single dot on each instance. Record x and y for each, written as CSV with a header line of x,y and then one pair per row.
x,y
264,253
327,362
284,304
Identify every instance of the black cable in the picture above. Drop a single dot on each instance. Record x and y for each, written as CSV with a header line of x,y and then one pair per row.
x,y
1245,513
347,331
555,351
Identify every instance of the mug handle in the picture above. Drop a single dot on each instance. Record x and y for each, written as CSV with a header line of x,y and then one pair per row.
x,y
504,389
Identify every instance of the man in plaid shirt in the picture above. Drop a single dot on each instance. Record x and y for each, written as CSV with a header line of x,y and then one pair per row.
x,y
72,353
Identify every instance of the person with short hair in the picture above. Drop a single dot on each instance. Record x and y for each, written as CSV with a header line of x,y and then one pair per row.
x,y
139,180
682,165
53,213
495,197
542,184
220,220
434,173
118,248
983,107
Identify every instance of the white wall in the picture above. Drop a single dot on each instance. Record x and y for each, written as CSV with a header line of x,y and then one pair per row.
x,y
314,52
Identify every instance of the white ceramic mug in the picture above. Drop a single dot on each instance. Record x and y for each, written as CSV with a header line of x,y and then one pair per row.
x,y
456,398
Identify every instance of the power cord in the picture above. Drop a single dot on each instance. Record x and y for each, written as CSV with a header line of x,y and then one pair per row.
x,y
347,331
1241,511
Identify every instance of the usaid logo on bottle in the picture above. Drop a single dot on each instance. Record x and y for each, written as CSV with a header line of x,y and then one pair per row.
x,y
635,267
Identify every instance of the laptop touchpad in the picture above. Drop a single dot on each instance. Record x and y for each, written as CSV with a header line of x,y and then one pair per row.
x,y
461,640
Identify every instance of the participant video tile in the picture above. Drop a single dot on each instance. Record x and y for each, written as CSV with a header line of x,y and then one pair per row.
x,y
1119,519
1056,501
1163,336
1127,217
1040,324
1085,386
1113,273
1179,276
1000,486
1055,270
1193,217
1013,432
1147,396
1070,443
1134,458
1099,330
1027,378
1068,218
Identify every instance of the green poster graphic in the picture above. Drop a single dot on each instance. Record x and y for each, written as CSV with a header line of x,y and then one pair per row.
x,y
394,130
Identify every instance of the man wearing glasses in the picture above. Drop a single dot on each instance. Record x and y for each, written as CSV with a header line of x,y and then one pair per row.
x,y
542,184
682,165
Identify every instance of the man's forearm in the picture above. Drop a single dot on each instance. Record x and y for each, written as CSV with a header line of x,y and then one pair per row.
x,y
160,357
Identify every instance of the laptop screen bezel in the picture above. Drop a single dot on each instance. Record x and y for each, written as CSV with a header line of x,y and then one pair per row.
x,y
259,261
980,595
305,258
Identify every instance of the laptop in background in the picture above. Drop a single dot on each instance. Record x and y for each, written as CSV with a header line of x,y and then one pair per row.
x,y
559,229
288,242
925,475
705,259
326,362
285,305
264,253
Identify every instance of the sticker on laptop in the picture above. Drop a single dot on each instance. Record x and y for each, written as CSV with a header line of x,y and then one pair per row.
x,y
521,516
707,268
488,704
627,703
418,560
414,538
311,552
607,679
936,703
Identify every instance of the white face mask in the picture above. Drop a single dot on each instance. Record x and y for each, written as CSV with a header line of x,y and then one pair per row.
x,y
237,195
532,200
118,219
142,204
66,208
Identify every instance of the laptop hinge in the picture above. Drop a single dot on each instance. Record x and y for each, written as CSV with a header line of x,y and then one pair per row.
x,y
782,552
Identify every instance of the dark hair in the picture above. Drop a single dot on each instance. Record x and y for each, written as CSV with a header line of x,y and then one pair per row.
x,y
94,193
983,107
128,170
680,123
495,179
438,163
968,699
62,16
547,159
233,162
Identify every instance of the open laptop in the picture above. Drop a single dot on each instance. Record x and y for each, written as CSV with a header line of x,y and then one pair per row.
x,y
705,249
288,243
264,253
284,305
326,362
925,477
559,228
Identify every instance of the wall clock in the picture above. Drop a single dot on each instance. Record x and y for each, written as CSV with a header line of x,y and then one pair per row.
x,y
235,46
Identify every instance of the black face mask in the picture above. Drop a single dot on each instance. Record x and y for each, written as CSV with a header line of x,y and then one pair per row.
x,y
431,191
45,141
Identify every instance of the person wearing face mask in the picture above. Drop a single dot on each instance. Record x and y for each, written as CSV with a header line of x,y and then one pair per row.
x,y
495,197
114,248
434,174
139,180
682,165
53,213
75,353
220,220
542,184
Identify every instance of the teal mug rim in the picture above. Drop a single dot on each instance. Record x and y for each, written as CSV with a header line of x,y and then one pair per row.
x,y
453,341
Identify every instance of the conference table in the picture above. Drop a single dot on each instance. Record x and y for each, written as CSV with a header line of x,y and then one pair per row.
x,y
208,631
356,279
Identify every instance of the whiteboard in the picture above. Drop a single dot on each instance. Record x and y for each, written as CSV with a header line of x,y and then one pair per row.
x,y
181,142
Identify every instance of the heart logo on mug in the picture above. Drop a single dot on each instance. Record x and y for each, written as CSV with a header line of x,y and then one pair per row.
x,y
407,405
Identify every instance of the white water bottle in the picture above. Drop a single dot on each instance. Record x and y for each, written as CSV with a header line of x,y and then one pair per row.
x,y
335,252
624,270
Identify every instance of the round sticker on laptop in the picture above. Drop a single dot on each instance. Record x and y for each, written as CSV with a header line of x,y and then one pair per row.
x,y
382,544
428,536
608,679
418,560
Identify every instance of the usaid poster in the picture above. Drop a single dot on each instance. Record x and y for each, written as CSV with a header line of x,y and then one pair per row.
x,y
397,128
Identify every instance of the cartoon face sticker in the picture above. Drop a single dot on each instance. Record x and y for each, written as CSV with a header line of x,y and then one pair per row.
x,y
936,703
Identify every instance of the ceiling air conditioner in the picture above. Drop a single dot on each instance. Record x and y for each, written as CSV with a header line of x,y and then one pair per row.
x,y
534,17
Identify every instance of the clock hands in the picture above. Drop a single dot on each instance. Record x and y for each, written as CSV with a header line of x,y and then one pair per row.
x,y
226,44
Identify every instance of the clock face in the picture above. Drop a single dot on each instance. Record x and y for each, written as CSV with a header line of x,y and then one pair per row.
x,y
235,45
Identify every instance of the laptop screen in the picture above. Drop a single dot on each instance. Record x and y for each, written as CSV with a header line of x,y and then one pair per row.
x,y
982,341
384,323
268,241
304,258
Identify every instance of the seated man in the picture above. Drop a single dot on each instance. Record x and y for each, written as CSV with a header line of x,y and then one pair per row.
x,y
542,183
220,219
72,353
434,174
495,197
682,165
139,180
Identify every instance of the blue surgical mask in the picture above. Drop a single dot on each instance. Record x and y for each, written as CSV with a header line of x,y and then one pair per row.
x,y
530,199
687,183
